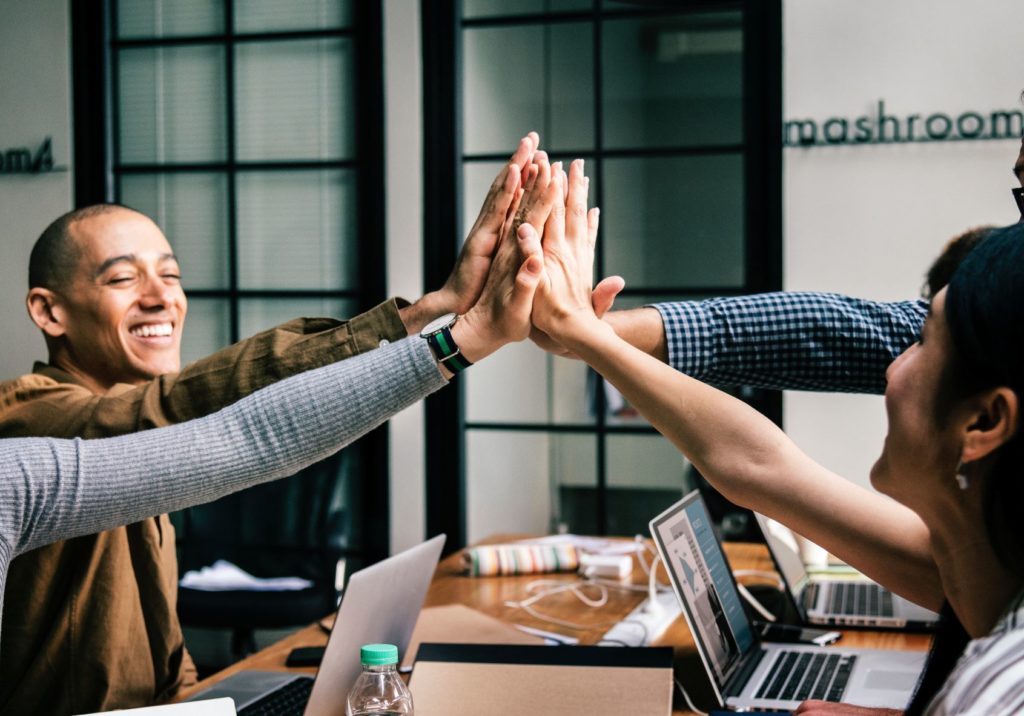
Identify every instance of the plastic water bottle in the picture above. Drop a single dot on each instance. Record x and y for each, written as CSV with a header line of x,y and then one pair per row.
x,y
379,690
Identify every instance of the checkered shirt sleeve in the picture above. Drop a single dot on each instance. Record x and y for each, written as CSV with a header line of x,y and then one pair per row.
x,y
790,340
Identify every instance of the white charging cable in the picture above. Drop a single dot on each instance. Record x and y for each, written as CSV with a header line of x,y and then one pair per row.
x,y
751,599
551,586
686,696
653,605
556,587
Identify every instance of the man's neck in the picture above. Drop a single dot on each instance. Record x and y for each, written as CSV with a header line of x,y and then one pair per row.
x,y
92,383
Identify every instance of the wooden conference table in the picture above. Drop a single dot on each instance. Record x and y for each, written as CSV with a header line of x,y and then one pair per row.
x,y
488,595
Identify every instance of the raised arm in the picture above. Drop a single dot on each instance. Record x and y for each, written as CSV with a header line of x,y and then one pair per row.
x,y
52,489
742,453
220,379
790,340
57,489
787,340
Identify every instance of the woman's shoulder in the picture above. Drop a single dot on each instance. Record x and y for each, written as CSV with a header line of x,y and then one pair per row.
x,y
989,678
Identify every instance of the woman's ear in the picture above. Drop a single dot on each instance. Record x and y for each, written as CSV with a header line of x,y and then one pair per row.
x,y
45,311
996,414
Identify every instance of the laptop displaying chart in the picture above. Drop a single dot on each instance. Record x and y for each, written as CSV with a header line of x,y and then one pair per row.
x,y
745,672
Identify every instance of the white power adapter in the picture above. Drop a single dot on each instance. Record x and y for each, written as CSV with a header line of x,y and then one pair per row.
x,y
606,566
645,623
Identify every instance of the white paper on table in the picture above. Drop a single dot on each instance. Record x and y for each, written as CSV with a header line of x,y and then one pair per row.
x,y
210,707
223,576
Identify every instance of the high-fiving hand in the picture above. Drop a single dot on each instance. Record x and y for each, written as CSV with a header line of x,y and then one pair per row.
x,y
565,297
502,312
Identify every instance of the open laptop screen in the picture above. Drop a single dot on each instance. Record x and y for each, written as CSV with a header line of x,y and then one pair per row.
x,y
783,548
703,582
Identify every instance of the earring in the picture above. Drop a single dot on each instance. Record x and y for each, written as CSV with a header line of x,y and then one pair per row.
x,y
962,480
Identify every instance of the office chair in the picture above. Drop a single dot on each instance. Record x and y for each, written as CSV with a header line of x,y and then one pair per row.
x,y
300,527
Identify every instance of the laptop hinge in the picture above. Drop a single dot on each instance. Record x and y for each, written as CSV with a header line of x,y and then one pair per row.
x,y
737,682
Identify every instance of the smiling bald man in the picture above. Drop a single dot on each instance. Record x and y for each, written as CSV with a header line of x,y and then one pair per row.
x,y
90,624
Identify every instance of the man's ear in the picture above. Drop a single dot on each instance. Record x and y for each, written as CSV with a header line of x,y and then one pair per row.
x,y
994,423
46,312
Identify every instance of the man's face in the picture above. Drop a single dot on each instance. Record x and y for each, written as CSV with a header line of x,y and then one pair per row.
x,y
125,308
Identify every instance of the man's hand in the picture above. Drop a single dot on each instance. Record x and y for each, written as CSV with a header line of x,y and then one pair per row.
x,y
502,313
463,286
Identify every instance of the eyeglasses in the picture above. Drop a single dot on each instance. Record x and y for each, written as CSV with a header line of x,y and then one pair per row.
x,y
1018,196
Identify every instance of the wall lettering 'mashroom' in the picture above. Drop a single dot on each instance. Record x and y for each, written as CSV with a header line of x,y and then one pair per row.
x,y
882,128
22,160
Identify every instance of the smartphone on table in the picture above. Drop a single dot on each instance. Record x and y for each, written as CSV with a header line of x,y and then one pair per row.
x,y
789,634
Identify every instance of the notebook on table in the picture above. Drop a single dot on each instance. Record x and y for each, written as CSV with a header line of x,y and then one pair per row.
x,y
745,672
838,602
381,605
500,679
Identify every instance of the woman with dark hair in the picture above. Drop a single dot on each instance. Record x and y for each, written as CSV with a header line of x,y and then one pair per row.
x,y
951,467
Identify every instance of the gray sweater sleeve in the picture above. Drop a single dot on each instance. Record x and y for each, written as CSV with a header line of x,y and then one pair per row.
x,y
57,489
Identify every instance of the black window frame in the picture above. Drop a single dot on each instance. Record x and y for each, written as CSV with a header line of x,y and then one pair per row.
x,y
761,148
97,169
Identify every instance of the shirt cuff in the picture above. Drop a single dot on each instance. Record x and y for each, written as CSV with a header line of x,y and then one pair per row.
x,y
379,326
688,336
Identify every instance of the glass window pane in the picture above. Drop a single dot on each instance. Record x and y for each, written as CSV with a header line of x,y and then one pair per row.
x,y
207,328
191,210
297,230
171,104
274,15
156,18
514,479
646,461
522,384
646,474
496,8
520,78
673,81
675,221
259,314
295,100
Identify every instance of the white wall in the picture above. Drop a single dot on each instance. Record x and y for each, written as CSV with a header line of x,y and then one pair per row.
x,y
35,92
868,220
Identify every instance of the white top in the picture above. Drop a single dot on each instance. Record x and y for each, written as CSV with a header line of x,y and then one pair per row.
x,y
989,678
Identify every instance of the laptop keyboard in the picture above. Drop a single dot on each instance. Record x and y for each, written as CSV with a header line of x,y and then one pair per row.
x,y
861,599
289,700
802,675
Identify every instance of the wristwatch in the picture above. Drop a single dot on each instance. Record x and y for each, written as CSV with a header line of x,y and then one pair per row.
x,y
439,337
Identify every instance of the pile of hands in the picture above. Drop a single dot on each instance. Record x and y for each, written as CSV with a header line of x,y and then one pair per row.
x,y
526,268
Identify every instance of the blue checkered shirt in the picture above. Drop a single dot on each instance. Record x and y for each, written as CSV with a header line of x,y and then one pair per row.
x,y
790,340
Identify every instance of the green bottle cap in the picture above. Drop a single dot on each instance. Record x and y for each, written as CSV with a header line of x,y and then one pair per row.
x,y
378,654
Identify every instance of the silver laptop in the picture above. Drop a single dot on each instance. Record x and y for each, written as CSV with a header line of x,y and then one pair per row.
x,y
381,605
746,673
837,602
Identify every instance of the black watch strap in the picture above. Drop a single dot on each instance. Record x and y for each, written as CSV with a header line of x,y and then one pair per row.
x,y
447,351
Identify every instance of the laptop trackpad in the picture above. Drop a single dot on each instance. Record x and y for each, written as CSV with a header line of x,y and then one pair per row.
x,y
889,680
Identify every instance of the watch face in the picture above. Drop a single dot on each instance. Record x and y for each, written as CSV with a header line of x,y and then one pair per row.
x,y
438,323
